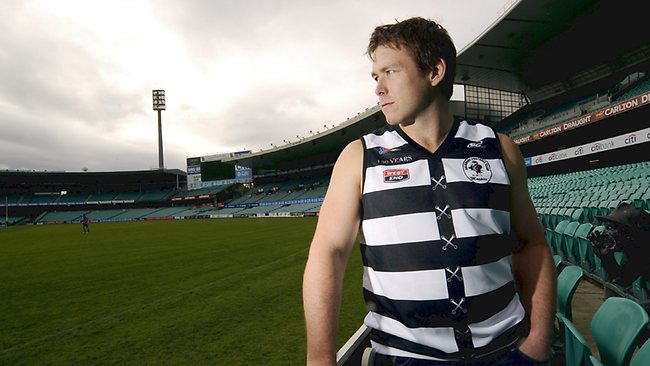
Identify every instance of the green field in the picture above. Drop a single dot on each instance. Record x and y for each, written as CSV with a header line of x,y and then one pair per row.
x,y
195,292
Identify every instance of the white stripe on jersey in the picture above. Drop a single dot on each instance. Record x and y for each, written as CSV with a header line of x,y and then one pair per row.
x,y
411,285
441,338
471,222
409,228
474,132
388,140
454,171
390,351
484,332
487,277
418,176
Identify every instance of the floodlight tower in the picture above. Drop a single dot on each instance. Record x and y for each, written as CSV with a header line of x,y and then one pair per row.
x,y
159,105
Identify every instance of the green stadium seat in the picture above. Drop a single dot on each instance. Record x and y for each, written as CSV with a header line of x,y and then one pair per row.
x,y
604,207
563,212
576,349
556,237
616,328
567,283
642,357
570,207
623,196
553,217
546,217
593,210
549,239
636,199
567,242
646,201
582,245
578,215
594,361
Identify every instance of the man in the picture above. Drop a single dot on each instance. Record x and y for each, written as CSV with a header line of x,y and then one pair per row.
x,y
84,224
456,266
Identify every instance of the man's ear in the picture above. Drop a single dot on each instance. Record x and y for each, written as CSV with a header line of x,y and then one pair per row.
x,y
437,72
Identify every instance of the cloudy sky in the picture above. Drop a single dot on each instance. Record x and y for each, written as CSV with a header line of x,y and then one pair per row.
x,y
76,76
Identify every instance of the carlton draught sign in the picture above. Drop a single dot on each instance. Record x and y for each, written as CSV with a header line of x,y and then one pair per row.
x,y
613,110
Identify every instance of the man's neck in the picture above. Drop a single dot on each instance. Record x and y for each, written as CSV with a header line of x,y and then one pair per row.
x,y
430,129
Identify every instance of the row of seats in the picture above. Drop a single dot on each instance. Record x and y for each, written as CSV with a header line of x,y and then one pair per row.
x,y
10,220
539,120
568,205
581,196
618,327
284,191
202,191
76,198
178,211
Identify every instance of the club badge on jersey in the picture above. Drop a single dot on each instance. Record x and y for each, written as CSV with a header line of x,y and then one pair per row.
x,y
477,170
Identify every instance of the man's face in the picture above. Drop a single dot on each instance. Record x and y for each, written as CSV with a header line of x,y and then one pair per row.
x,y
404,91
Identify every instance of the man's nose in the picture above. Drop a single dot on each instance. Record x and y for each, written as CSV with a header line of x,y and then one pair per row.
x,y
380,88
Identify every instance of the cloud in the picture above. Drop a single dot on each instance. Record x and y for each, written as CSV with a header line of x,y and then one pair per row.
x,y
76,76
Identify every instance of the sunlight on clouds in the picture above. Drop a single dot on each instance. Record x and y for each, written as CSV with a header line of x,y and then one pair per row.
x,y
234,78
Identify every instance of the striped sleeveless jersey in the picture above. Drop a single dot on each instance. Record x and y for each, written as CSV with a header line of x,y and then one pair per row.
x,y
436,245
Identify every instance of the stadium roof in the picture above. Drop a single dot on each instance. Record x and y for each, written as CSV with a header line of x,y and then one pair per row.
x,y
22,180
538,48
320,149
553,44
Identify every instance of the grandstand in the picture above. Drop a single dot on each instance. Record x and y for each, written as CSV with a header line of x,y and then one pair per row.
x,y
48,197
579,111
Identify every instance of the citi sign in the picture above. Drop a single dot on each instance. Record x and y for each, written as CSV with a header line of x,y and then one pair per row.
x,y
630,139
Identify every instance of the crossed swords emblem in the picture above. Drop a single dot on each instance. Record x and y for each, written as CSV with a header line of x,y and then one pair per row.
x,y
443,211
449,242
438,183
453,274
458,305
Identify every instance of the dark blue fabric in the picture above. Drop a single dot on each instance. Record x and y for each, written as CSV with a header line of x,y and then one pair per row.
x,y
512,357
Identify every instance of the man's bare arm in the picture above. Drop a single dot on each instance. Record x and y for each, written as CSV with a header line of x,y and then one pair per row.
x,y
336,232
533,264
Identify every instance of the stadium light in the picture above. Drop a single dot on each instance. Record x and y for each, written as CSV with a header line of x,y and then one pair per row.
x,y
159,105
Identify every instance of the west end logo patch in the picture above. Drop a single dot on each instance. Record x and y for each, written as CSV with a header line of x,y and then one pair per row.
x,y
395,175
477,170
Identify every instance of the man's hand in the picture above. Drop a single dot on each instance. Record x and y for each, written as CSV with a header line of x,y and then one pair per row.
x,y
531,348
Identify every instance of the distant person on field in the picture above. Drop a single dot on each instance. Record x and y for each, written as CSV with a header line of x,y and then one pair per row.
x,y
457,270
84,224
